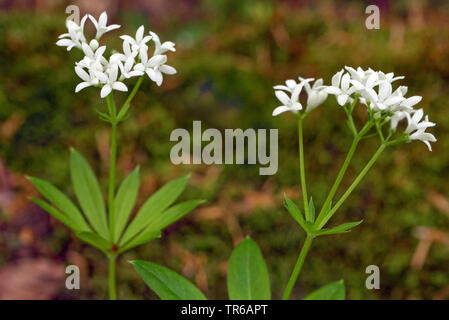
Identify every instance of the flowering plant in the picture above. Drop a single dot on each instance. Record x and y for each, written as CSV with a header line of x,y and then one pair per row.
x,y
385,108
248,277
115,232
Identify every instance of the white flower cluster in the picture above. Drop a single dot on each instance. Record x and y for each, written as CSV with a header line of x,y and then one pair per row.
x,y
372,88
96,70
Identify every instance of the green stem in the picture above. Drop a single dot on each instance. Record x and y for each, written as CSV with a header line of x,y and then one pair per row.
x,y
302,170
112,164
353,185
128,100
359,136
111,276
340,176
298,266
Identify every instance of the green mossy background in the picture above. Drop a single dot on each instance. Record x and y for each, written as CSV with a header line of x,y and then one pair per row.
x,y
229,55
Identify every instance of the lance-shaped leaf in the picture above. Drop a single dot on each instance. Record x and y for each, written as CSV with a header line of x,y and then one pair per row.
x,y
88,193
55,213
343,228
294,211
167,284
153,230
332,291
94,240
247,273
62,202
154,206
125,200
141,238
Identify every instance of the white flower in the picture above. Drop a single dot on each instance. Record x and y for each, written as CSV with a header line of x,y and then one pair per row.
x,y
316,94
89,79
424,137
396,118
341,87
128,69
75,35
415,123
384,100
288,103
415,127
161,48
154,67
138,44
100,25
110,81
366,78
93,59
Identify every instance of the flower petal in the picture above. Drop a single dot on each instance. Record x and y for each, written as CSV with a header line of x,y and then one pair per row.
x,y
283,97
279,110
105,90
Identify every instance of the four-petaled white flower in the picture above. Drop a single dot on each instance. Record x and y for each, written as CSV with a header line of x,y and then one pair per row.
x,y
110,81
128,69
341,88
138,44
89,79
154,67
316,94
75,35
288,103
101,26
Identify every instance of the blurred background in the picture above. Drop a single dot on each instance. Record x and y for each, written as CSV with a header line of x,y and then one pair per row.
x,y
229,55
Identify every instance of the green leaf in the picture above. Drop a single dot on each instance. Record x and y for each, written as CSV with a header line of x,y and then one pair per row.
x,y
55,213
247,273
294,211
142,238
343,228
153,230
62,202
104,116
312,210
125,201
173,214
94,240
88,193
167,284
154,206
332,291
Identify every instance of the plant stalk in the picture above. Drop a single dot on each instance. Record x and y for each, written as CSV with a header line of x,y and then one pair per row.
x,y
302,170
111,276
112,164
354,184
337,182
297,269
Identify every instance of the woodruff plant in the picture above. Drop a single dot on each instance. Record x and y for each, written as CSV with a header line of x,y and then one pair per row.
x,y
385,108
115,232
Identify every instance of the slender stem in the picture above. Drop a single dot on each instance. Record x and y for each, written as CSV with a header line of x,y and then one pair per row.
x,y
302,170
359,136
128,100
297,269
111,276
112,164
353,185
337,182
